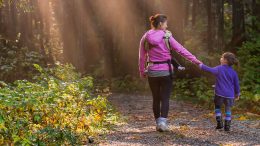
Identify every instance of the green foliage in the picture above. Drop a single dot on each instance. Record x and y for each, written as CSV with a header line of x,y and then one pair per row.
x,y
59,108
17,62
126,83
249,101
249,75
24,5
250,61
129,84
197,89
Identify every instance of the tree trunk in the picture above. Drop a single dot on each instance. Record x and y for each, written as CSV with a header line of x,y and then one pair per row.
x,y
209,7
255,14
187,12
40,31
194,11
178,26
220,20
238,24
107,37
12,22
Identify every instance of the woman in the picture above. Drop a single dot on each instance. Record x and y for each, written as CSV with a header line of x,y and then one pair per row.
x,y
159,70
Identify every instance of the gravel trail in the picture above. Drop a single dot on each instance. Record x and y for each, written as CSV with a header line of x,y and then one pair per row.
x,y
189,125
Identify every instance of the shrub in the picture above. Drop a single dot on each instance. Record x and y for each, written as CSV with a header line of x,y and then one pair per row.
x,y
16,62
249,59
198,90
57,109
249,75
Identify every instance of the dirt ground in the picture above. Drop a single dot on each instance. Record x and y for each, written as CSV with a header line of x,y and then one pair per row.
x,y
189,125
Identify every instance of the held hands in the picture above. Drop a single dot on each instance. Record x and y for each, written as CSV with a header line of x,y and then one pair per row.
x,y
198,63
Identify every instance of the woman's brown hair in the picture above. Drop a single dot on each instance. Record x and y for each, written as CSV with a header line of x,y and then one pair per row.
x,y
156,19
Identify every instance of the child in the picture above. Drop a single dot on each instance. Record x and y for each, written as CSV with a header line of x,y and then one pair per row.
x,y
226,87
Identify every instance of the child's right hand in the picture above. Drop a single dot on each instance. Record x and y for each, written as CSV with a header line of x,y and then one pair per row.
x,y
237,97
199,65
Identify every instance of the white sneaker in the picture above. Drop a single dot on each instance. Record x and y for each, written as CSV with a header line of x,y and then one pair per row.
x,y
158,127
162,125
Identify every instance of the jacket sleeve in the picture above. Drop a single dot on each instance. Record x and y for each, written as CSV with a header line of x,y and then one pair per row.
x,y
182,51
142,55
236,85
213,70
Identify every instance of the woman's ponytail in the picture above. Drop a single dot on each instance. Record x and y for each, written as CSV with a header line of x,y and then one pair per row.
x,y
156,19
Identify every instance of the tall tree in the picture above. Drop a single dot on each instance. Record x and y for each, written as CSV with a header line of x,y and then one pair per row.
x,y
220,21
178,14
106,32
255,14
238,24
209,31
187,12
194,11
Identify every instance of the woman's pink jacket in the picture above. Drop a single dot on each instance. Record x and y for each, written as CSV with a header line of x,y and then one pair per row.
x,y
159,52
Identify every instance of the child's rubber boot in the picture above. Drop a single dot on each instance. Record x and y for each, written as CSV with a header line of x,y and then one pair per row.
x,y
227,125
219,122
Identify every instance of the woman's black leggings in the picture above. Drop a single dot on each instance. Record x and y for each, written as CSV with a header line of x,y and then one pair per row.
x,y
161,90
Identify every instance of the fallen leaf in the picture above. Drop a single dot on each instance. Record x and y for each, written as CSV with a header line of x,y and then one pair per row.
x,y
242,118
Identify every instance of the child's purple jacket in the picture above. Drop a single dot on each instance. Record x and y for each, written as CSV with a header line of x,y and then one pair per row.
x,y
227,82
159,51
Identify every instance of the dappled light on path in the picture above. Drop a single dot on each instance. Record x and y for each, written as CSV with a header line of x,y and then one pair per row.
x,y
189,125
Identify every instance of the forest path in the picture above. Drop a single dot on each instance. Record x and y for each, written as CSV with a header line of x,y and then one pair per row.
x,y
190,125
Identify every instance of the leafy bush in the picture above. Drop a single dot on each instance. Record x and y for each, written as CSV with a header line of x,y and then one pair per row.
x,y
57,109
129,84
196,89
123,84
249,75
17,62
249,59
249,101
